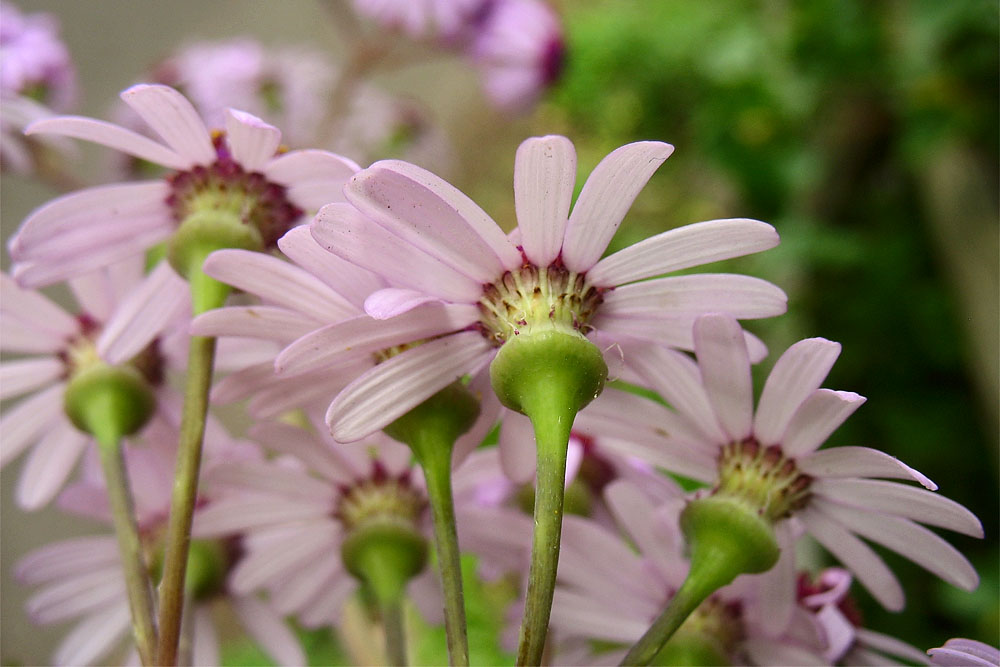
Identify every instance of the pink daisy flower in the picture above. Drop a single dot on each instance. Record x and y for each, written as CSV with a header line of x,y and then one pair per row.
x,y
294,512
768,459
121,316
82,578
422,18
519,50
236,170
846,642
34,62
965,653
433,245
610,592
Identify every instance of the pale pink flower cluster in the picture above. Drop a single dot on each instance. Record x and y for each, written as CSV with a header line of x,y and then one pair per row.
x,y
398,286
517,45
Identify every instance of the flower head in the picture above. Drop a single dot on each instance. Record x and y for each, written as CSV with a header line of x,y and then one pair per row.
x,y
122,315
433,245
238,172
767,459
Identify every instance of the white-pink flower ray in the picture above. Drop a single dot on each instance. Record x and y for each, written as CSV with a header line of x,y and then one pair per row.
x,y
24,375
22,424
112,136
263,322
859,462
346,278
544,176
394,387
797,373
816,418
744,297
725,372
313,177
683,248
251,141
605,199
434,216
270,631
174,118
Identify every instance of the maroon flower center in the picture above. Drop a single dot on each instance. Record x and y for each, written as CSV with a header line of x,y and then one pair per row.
x,y
762,477
224,185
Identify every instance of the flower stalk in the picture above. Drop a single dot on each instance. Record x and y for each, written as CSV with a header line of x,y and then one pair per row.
x,y
548,376
110,403
431,430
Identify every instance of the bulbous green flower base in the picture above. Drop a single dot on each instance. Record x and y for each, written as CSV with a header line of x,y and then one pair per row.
x,y
109,402
385,556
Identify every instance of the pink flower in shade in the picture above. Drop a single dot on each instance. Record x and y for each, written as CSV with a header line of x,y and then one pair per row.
x,y
121,316
82,578
433,245
965,653
295,511
519,50
94,227
610,592
34,63
423,18
846,642
768,459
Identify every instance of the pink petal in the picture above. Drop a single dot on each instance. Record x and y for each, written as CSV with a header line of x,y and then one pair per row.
x,y
313,177
349,280
205,643
36,312
305,585
325,609
434,216
76,595
776,587
859,462
173,118
816,418
237,386
891,646
162,298
635,512
678,380
23,423
89,207
49,464
24,375
342,230
251,141
264,477
858,557
544,176
267,322
675,332
226,517
764,651
69,262
517,448
606,198
364,335
489,413
683,248
965,652
873,495
908,539
599,561
394,387
311,391
286,439
279,283
393,301
795,376
112,136
91,641
270,631
263,566
575,614
725,372
743,297
66,558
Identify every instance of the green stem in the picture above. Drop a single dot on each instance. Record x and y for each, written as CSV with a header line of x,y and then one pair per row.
x,y
395,637
140,598
435,457
206,294
552,423
726,538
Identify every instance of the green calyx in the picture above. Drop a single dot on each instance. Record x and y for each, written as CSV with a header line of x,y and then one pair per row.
x,y
205,231
529,369
728,539
109,402
207,568
442,418
385,556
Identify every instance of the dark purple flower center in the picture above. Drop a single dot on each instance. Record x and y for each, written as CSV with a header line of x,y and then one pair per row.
x,y
762,477
225,186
